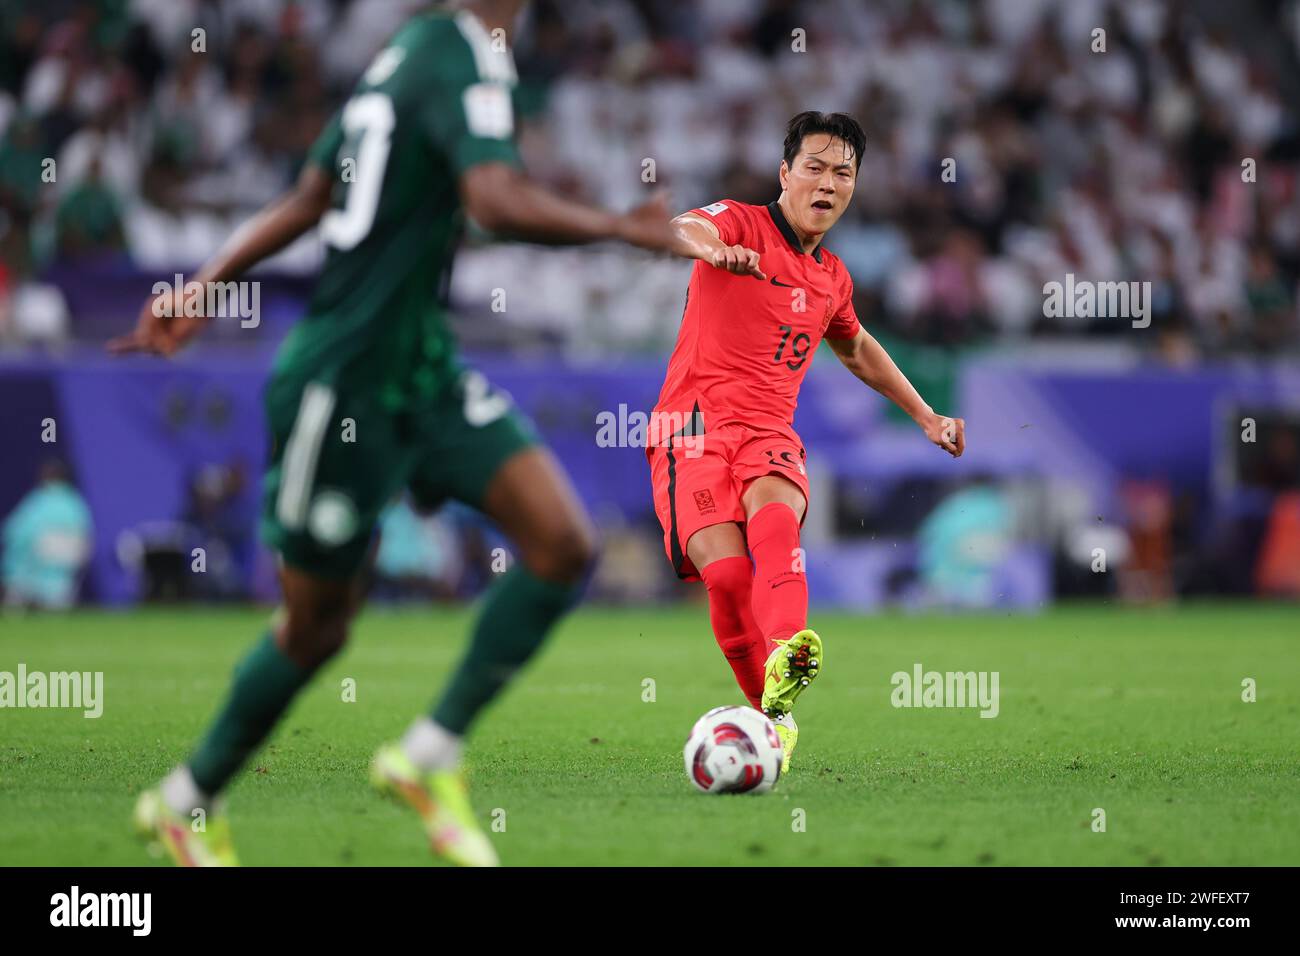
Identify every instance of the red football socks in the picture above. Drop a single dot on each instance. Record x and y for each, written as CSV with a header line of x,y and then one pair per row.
x,y
780,587
728,581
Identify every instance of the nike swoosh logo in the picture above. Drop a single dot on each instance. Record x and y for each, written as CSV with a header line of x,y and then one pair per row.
x,y
784,285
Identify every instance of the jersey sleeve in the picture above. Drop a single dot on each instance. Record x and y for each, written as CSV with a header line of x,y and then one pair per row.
x,y
324,151
844,323
469,115
729,219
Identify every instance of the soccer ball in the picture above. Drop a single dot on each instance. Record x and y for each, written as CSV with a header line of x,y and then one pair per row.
x,y
733,750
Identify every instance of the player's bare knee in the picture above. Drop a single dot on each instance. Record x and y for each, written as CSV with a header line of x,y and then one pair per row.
x,y
758,498
313,633
715,543
564,554
573,551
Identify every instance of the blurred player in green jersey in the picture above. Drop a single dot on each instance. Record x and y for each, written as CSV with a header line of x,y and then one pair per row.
x,y
367,397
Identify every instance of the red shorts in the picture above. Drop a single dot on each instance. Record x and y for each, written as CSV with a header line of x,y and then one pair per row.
x,y
699,481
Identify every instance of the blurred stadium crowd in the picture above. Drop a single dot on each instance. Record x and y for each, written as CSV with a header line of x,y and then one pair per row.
x,y
1116,165
135,135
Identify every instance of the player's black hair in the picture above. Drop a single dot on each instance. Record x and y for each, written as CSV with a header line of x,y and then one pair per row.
x,y
811,122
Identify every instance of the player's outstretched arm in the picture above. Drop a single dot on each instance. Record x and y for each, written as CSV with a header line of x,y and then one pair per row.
x,y
694,237
502,199
867,359
162,327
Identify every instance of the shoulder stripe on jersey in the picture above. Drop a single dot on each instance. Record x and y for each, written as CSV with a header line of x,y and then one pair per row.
x,y
492,66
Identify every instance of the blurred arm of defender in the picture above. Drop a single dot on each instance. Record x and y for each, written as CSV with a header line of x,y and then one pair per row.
x,y
694,237
162,327
498,196
867,359
504,200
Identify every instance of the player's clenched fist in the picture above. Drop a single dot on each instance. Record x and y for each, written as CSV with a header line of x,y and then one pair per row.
x,y
737,259
948,433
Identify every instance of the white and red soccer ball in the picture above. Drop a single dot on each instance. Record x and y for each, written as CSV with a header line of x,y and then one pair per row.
x,y
733,750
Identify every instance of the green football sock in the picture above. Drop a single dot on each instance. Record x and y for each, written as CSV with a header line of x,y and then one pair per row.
x,y
518,613
265,683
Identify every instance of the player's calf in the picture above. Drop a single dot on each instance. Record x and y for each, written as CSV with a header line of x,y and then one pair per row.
x,y
728,581
780,598
532,500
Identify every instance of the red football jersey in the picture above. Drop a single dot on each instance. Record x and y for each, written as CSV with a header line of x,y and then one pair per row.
x,y
745,344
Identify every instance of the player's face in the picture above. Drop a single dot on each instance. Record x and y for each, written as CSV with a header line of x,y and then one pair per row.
x,y
819,184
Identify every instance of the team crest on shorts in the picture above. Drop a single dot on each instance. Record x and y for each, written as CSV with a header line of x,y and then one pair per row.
x,y
704,501
333,518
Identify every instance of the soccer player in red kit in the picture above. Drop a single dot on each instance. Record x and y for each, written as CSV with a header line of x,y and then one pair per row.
x,y
728,470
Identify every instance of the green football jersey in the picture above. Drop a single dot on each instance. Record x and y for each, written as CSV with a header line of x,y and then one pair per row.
x,y
434,102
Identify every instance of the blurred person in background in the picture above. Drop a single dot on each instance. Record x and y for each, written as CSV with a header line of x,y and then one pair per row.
x,y
1270,301
962,544
220,526
1147,577
31,311
21,158
88,221
47,541
1277,568
419,555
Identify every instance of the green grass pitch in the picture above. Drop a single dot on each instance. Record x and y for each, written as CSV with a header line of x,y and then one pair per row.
x,y
1136,712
